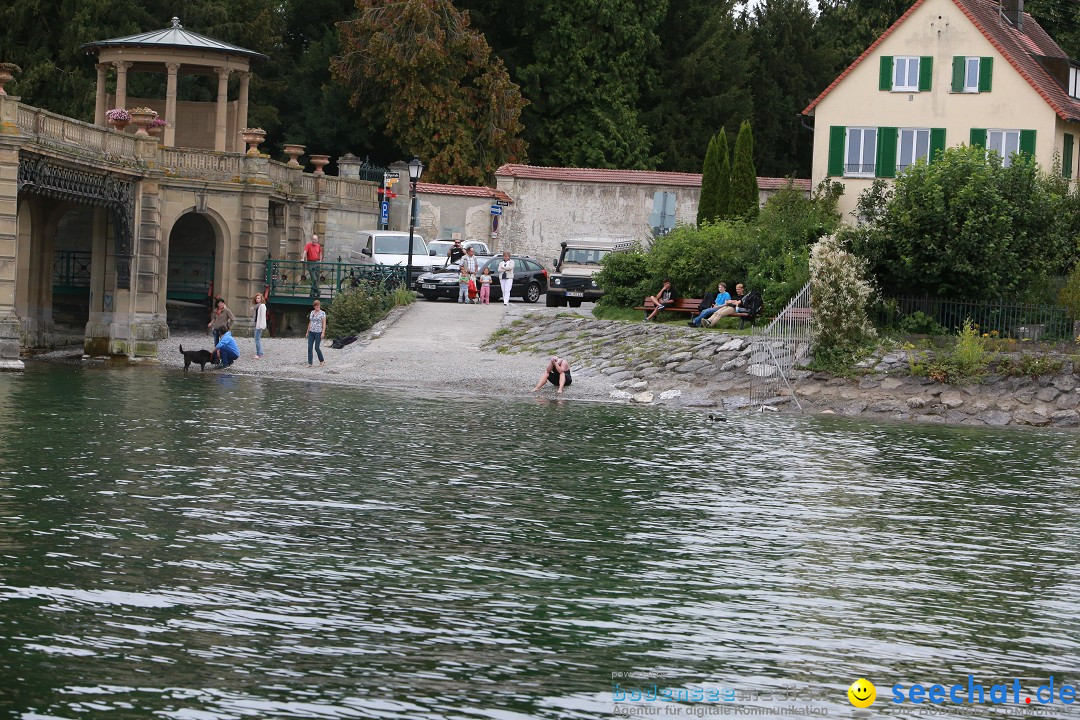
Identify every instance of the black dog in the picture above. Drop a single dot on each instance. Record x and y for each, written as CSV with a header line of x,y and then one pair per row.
x,y
196,356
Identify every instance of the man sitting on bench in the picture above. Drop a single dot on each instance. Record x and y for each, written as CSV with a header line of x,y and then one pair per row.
x,y
721,301
731,307
665,297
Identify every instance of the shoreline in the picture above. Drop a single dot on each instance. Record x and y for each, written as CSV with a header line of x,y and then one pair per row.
x,y
489,351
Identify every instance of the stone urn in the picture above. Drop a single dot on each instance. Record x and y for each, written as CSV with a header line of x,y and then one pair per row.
x,y
141,118
155,127
293,151
253,136
7,72
319,161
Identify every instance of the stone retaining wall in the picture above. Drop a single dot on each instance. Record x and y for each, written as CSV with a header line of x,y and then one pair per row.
x,y
688,367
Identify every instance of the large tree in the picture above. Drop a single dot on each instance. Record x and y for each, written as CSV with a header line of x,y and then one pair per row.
x,y
743,192
705,81
417,65
589,65
715,180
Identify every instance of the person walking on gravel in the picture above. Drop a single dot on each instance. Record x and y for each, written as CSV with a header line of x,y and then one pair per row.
x,y
316,331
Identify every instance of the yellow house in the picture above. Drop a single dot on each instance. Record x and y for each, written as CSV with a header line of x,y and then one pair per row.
x,y
979,72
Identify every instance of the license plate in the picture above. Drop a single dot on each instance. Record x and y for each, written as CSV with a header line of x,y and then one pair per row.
x,y
572,293
427,287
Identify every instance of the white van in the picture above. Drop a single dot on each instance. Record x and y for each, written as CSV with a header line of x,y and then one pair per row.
x,y
391,247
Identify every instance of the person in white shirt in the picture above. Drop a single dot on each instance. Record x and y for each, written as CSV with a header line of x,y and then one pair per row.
x,y
259,310
506,276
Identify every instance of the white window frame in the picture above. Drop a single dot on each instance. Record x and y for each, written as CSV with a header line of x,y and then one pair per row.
x,y
913,154
905,61
1002,146
1074,82
968,86
862,164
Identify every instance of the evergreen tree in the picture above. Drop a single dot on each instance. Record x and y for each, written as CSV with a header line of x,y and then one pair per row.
x,y
723,187
591,61
743,200
417,66
708,209
705,80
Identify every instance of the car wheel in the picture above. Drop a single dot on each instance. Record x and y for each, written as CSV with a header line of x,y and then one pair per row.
x,y
573,303
430,296
532,292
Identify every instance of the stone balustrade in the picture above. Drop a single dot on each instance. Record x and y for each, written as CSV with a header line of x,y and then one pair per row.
x,y
61,132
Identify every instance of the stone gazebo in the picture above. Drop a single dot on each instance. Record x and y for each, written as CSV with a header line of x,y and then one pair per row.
x,y
177,51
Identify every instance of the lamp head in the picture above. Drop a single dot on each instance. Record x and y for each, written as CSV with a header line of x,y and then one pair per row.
x,y
416,169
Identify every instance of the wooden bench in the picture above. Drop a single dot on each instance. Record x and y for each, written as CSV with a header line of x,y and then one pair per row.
x,y
683,305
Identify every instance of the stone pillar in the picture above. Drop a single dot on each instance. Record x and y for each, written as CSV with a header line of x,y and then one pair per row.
x,y
399,206
9,222
170,104
102,293
222,108
294,230
348,166
121,82
99,99
253,248
241,112
146,326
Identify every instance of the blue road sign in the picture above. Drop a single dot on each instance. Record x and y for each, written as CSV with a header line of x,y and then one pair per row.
x,y
385,211
496,210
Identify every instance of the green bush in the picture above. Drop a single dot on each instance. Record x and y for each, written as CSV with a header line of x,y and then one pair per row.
x,y
354,310
966,361
919,323
841,295
623,276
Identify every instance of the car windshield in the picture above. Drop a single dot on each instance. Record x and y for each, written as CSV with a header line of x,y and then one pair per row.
x,y
439,246
583,256
398,245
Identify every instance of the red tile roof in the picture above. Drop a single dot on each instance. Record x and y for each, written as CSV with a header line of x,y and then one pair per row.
x,y
1016,46
462,191
630,177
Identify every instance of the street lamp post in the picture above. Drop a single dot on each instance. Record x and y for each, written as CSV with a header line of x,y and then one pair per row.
x,y
416,169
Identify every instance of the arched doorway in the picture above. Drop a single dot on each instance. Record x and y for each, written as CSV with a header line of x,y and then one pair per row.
x,y
72,276
192,247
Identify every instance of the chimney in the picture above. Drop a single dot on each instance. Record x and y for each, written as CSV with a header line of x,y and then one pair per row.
x,y
1013,10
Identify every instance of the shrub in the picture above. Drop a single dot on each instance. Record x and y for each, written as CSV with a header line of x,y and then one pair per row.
x,y
919,323
1030,366
840,294
623,276
966,361
354,310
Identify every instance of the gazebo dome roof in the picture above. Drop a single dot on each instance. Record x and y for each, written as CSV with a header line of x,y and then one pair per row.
x,y
176,37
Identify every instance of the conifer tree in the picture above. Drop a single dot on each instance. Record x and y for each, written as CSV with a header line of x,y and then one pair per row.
x,y
708,210
743,201
723,188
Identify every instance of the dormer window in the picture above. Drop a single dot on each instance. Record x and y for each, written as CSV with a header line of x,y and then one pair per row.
x,y
1074,82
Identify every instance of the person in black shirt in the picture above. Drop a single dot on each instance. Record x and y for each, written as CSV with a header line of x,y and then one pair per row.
x,y
455,252
662,299
557,373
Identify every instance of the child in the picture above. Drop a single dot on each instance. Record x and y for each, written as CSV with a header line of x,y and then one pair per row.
x,y
463,284
485,287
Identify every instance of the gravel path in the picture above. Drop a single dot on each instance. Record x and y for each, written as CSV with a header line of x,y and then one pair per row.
x,y
434,346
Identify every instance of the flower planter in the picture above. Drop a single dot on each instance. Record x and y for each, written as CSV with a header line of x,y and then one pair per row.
x,y
142,117
293,151
253,136
7,72
119,125
319,161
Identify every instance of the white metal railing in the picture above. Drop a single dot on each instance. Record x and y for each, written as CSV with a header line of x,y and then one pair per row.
x,y
51,129
777,348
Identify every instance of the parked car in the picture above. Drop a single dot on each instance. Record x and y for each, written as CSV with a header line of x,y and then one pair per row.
x,y
385,247
530,281
438,249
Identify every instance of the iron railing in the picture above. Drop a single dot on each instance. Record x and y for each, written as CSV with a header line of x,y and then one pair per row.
x,y
71,269
1023,321
777,349
190,276
297,280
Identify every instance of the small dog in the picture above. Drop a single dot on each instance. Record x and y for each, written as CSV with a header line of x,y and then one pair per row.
x,y
196,356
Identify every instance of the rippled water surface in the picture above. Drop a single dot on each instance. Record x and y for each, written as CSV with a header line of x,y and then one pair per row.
x,y
205,547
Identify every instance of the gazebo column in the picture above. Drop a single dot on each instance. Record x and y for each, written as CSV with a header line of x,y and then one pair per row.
x,y
121,82
99,99
170,104
222,108
242,112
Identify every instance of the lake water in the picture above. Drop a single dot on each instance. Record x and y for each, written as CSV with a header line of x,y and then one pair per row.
x,y
208,547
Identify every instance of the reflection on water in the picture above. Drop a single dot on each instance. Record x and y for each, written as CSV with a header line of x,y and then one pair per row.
x,y
210,547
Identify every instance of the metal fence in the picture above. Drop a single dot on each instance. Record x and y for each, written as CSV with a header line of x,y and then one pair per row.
x,y
777,348
190,276
930,315
300,281
71,270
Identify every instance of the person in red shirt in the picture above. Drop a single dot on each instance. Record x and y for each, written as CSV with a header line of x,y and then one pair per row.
x,y
313,253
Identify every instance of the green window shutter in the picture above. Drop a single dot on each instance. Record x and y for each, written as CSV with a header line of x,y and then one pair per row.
x,y
986,73
886,152
937,144
959,67
837,138
1027,142
885,78
1067,157
978,137
926,72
